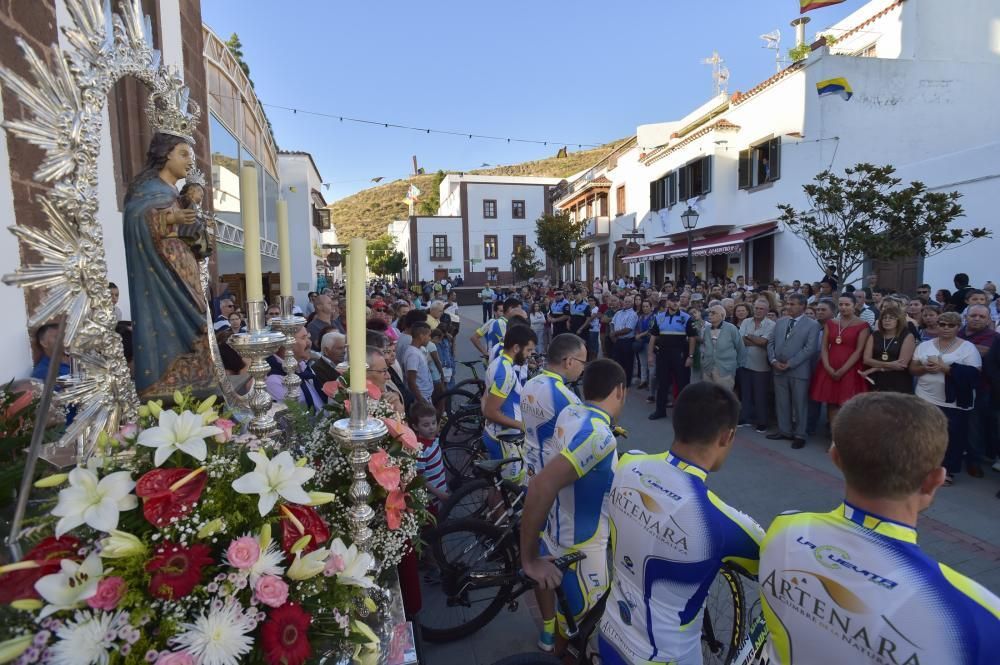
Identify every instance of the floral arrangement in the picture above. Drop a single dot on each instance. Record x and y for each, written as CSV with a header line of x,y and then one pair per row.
x,y
398,497
180,544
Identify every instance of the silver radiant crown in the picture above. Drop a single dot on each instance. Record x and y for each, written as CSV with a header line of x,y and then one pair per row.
x,y
194,177
171,110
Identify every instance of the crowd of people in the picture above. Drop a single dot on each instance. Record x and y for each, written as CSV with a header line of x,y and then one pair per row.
x,y
790,351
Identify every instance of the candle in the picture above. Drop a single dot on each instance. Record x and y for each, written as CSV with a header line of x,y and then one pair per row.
x,y
250,209
357,264
284,249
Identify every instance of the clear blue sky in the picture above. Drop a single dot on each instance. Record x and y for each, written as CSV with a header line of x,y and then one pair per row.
x,y
572,71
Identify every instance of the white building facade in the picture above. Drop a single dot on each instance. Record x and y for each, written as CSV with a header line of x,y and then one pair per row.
x,y
925,100
480,221
311,232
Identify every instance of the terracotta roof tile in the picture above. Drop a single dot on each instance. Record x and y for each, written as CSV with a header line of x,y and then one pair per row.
x,y
663,151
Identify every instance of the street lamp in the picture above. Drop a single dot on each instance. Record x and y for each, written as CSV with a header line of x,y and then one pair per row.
x,y
690,220
572,246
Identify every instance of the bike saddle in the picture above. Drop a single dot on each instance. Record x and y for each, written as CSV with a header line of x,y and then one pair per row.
x,y
511,439
491,466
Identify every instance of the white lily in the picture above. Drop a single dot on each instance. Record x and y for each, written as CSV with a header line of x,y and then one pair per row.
x,y
94,502
185,432
356,564
71,586
121,545
273,478
309,565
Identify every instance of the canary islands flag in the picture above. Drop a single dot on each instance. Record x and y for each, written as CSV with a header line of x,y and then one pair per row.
x,y
809,5
838,86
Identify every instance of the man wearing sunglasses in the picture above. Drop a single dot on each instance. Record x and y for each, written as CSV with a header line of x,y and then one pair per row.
x,y
543,398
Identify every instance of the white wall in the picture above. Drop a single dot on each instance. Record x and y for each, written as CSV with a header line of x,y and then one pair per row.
x,y
505,227
296,172
16,361
427,228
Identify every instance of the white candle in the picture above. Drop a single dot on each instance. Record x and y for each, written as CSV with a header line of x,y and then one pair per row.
x,y
357,265
250,212
284,249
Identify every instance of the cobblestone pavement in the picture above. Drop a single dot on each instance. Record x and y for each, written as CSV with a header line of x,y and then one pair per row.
x,y
764,478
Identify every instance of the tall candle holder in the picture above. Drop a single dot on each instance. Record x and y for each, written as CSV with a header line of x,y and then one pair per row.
x,y
254,346
358,436
289,324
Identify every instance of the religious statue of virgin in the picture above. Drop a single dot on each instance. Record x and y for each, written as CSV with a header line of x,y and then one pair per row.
x,y
168,305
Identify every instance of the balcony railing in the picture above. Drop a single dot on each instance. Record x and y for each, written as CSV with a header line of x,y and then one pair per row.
x,y
439,253
598,226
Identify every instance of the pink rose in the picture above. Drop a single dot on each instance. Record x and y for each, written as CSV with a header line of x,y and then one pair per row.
x,y
403,434
129,431
395,506
175,658
374,391
243,552
226,426
334,564
109,592
271,591
385,475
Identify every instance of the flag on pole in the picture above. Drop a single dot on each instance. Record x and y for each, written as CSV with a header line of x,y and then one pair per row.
x,y
837,86
809,5
412,192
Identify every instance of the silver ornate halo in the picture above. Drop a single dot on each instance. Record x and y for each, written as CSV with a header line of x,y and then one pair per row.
x,y
65,104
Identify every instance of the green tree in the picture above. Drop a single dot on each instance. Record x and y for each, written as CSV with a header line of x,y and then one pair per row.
x,y
867,215
384,258
430,201
236,48
524,264
555,235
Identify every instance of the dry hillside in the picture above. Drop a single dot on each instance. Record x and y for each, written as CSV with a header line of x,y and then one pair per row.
x,y
368,212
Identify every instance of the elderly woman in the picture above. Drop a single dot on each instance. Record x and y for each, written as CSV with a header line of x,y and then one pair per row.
x,y
378,374
947,370
722,349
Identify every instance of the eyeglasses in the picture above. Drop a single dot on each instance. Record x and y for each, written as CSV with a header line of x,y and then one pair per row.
x,y
941,324
582,362
380,371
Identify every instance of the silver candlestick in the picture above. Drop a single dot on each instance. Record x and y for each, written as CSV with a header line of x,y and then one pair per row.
x,y
358,435
254,346
289,324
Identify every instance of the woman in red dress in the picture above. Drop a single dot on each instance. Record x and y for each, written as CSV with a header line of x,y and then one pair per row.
x,y
836,379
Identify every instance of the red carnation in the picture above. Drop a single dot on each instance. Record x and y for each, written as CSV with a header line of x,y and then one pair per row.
x,y
298,521
285,635
177,570
19,584
163,499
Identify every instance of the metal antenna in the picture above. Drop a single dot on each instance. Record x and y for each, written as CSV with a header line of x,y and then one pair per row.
x,y
720,73
773,42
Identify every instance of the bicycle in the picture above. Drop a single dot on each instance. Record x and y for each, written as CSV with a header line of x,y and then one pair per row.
x,y
743,647
464,394
472,499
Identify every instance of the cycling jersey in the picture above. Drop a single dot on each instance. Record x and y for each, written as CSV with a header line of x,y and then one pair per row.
x,y
502,380
669,537
522,369
579,516
493,331
542,400
851,587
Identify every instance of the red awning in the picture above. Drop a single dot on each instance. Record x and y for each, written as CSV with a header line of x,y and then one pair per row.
x,y
730,243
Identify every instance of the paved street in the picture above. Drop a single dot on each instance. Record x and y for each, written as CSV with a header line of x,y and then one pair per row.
x,y
764,478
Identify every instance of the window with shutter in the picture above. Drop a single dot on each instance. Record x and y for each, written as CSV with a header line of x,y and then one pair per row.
x,y
671,184
706,175
682,186
775,155
652,194
744,178
602,206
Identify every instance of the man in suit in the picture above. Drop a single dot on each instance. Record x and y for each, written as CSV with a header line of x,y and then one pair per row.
x,y
334,350
791,353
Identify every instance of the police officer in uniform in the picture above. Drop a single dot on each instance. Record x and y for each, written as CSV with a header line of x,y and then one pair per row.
x,y
559,315
579,312
675,337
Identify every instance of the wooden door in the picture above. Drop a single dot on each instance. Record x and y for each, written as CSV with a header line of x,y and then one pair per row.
x,y
440,273
763,260
902,275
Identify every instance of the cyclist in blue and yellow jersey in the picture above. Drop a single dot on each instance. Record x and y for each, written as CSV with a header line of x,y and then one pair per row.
x,y
542,400
670,535
852,585
568,497
502,400
493,331
497,349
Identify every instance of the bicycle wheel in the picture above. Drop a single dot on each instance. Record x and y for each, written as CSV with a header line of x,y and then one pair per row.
x,y
462,428
472,385
460,459
723,624
469,500
455,400
461,548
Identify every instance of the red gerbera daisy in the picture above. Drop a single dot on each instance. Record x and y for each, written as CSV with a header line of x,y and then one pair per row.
x,y
284,635
298,521
19,584
177,570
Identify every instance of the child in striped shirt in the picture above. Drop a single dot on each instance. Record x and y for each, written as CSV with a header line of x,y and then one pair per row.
x,y
424,421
